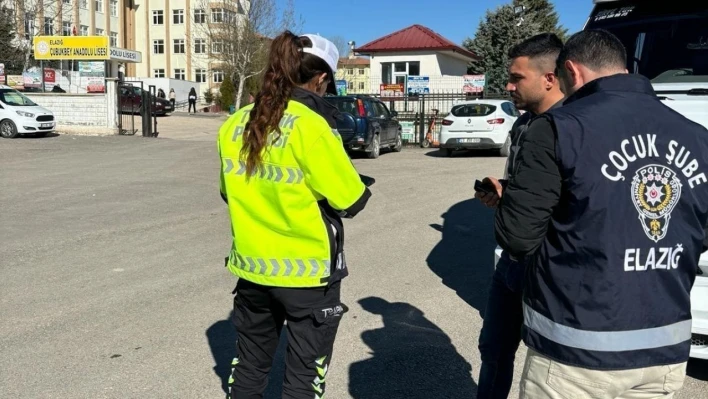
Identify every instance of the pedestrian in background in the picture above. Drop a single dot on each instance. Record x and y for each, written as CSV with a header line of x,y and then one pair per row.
x,y
173,97
612,207
535,88
287,181
192,100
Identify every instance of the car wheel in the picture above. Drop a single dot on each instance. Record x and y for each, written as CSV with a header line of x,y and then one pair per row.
x,y
506,148
8,129
375,147
399,143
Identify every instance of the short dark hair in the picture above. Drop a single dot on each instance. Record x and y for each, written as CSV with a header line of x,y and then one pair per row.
x,y
597,49
543,48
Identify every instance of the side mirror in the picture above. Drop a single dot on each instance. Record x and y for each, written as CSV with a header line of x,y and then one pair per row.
x,y
394,114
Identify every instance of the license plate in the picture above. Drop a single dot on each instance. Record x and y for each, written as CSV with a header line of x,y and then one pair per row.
x,y
44,125
469,140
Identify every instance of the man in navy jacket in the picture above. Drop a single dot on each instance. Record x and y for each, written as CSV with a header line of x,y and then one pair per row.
x,y
610,201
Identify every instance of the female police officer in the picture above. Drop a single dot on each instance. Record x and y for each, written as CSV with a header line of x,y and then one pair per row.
x,y
287,180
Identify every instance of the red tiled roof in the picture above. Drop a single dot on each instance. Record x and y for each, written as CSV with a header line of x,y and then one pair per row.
x,y
413,38
358,61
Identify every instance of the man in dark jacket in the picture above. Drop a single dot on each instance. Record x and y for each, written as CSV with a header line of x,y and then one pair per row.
x,y
534,88
610,206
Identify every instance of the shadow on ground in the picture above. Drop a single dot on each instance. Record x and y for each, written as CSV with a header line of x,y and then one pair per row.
x,y
698,369
412,358
440,153
36,137
464,257
222,342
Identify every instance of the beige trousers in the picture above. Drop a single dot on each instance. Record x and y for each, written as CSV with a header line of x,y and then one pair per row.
x,y
544,378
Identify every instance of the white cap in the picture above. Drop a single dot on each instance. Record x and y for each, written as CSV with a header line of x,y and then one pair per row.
x,y
324,49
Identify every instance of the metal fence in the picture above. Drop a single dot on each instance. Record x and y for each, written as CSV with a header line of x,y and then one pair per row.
x,y
134,99
421,113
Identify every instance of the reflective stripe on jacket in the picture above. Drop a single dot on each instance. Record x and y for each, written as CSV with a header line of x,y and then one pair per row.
x,y
282,235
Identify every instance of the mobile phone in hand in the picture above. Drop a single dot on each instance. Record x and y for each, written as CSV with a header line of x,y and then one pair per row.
x,y
486,187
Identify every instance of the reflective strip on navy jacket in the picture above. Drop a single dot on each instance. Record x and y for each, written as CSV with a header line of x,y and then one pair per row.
x,y
611,284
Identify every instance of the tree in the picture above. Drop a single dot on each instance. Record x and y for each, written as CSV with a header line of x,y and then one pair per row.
x,y
501,29
29,19
544,13
341,44
12,55
239,34
227,93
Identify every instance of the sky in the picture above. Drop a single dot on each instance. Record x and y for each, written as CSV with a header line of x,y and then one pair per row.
x,y
367,20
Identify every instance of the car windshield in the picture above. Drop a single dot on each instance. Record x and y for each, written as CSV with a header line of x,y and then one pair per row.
x,y
476,109
347,105
666,42
15,98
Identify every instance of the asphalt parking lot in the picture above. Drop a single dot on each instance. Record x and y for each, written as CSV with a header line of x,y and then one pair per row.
x,y
113,283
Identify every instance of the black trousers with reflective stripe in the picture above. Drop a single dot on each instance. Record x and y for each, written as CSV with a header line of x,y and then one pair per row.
x,y
311,317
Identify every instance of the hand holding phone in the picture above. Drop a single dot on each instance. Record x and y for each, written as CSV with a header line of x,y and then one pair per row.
x,y
485,187
488,191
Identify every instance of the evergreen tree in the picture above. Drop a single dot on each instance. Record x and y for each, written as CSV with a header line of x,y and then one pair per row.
x,y
501,29
544,13
10,55
497,33
228,93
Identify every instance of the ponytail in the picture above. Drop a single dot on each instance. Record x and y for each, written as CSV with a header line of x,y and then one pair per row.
x,y
282,73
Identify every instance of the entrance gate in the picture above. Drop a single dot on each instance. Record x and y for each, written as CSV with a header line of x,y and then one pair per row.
x,y
131,100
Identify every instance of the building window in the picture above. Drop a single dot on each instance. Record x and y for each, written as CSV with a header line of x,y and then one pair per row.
x,y
158,46
100,32
158,17
49,26
361,71
217,47
178,17
361,85
218,76
158,73
179,74
199,46
83,30
29,25
114,39
99,6
200,16
114,8
200,75
178,46
66,28
350,71
351,85
83,4
414,68
217,15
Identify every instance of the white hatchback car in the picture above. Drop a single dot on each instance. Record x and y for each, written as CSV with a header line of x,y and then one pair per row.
x,y
20,115
478,125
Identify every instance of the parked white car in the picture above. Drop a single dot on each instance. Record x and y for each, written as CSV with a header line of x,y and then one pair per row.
x,y
478,125
20,115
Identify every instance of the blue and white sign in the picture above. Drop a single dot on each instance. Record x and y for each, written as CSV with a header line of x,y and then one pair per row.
x,y
418,85
341,87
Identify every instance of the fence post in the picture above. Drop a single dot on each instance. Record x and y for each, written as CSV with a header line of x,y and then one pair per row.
x,y
421,135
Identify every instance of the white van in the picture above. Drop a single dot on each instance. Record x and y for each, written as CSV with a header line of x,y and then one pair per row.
x,y
20,115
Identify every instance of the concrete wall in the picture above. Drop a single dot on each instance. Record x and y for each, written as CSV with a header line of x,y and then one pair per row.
x,y
94,114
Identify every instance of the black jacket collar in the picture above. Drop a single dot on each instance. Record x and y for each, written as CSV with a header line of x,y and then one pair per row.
x,y
622,82
316,103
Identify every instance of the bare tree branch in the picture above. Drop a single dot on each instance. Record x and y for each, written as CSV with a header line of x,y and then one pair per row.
x,y
239,33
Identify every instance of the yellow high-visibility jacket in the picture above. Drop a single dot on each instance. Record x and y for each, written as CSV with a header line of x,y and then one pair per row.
x,y
285,230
